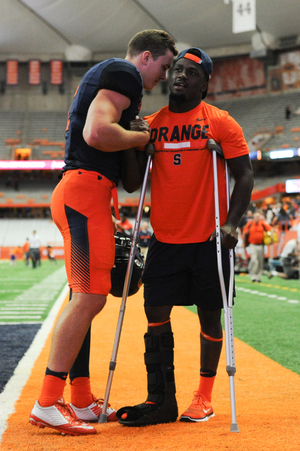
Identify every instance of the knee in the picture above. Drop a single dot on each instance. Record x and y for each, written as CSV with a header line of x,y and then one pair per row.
x,y
210,321
158,314
90,303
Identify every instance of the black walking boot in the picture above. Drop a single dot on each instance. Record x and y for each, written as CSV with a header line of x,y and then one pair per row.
x,y
161,405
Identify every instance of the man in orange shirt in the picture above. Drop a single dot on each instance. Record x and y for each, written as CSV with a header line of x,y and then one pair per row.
x,y
26,251
256,229
124,226
181,266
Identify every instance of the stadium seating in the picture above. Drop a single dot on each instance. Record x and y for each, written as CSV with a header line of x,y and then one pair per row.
x,y
42,131
23,228
266,114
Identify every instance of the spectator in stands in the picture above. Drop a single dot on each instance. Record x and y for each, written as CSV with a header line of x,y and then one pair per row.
x,y
246,218
290,209
282,220
255,230
269,215
288,260
288,112
144,238
34,249
124,225
276,209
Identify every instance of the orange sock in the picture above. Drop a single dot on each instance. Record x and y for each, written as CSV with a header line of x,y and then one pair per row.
x,y
52,389
81,395
206,386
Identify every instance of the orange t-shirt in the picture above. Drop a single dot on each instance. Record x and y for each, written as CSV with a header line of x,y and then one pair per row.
x,y
256,231
182,189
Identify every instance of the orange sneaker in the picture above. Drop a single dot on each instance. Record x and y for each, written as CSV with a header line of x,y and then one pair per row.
x,y
60,417
94,410
199,410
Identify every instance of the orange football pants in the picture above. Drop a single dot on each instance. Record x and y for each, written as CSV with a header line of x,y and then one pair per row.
x,y
81,209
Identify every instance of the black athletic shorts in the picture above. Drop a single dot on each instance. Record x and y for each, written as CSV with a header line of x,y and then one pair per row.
x,y
184,274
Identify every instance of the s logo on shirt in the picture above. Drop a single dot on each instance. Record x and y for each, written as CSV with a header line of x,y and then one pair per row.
x,y
177,159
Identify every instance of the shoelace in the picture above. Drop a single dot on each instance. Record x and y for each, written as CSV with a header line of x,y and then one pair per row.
x,y
198,401
70,411
100,401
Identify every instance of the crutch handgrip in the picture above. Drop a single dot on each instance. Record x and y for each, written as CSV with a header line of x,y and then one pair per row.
x,y
213,145
150,149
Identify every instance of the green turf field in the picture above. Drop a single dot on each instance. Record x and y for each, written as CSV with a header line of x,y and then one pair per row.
x,y
26,294
266,316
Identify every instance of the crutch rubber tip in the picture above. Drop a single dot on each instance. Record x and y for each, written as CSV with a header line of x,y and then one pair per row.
x,y
234,427
102,418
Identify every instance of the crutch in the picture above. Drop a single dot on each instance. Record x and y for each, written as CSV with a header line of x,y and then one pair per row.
x,y
227,302
113,362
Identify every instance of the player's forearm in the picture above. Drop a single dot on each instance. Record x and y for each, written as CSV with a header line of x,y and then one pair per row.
x,y
112,137
133,169
240,199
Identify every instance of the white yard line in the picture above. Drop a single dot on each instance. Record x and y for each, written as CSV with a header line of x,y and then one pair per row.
x,y
271,296
41,293
15,385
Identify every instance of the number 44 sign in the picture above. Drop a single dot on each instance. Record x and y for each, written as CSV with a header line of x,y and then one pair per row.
x,y
243,15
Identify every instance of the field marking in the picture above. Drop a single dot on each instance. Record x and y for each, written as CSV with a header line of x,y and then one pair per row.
x,y
23,308
272,296
15,385
42,291
21,317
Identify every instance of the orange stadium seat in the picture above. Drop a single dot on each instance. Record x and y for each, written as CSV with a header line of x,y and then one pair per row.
x,y
279,129
12,142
